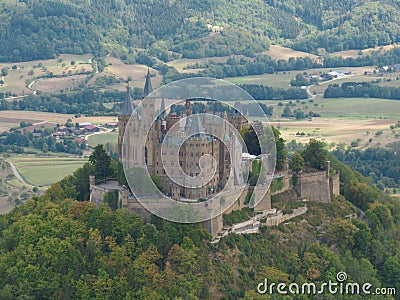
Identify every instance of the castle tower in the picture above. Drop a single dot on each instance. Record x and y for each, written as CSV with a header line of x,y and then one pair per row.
x,y
148,88
123,118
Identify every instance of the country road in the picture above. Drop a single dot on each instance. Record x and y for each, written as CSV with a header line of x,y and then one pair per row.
x,y
16,174
106,130
308,89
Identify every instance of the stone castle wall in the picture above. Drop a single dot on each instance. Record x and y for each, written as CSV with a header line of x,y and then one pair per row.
x,y
314,186
335,184
279,217
286,185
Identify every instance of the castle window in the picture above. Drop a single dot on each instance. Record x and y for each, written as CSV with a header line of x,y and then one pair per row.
x,y
197,154
191,154
172,162
180,163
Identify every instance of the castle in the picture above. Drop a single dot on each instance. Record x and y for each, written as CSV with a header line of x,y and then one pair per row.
x,y
174,146
167,134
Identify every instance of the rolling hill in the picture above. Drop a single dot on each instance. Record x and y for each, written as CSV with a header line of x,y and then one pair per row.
x,y
176,28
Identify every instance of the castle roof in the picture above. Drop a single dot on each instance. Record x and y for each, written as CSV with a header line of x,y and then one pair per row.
x,y
196,128
126,106
162,109
148,88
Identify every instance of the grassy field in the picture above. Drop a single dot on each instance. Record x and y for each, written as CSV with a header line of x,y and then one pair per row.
x,y
358,108
354,53
282,79
343,120
338,130
58,85
11,118
25,72
42,171
275,51
103,138
115,67
21,74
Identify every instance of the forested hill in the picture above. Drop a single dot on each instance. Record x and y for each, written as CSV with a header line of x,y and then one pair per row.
x,y
42,29
55,247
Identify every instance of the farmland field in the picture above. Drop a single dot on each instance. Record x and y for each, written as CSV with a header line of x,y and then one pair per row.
x,y
282,79
338,130
25,72
359,108
275,51
21,74
348,108
342,120
42,171
12,118
103,138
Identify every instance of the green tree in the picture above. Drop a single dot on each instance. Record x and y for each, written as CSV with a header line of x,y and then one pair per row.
x,y
315,156
361,194
297,162
342,234
281,153
101,162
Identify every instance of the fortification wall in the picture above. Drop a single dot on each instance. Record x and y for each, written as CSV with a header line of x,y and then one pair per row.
x,y
97,195
314,186
279,218
286,185
335,184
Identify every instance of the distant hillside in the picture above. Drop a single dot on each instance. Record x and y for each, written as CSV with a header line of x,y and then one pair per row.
x,y
168,29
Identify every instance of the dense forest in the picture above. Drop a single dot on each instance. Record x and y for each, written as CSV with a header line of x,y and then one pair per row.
x,y
361,90
87,102
167,29
379,164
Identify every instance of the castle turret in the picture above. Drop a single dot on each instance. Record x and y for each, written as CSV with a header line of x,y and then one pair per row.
x,y
162,109
123,119
148,88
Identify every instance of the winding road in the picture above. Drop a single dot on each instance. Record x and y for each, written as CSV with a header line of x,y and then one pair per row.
x,y
16,173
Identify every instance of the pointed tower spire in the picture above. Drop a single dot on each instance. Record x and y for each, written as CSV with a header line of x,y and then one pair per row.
x,y
148,89
162,109
126,106
196,127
